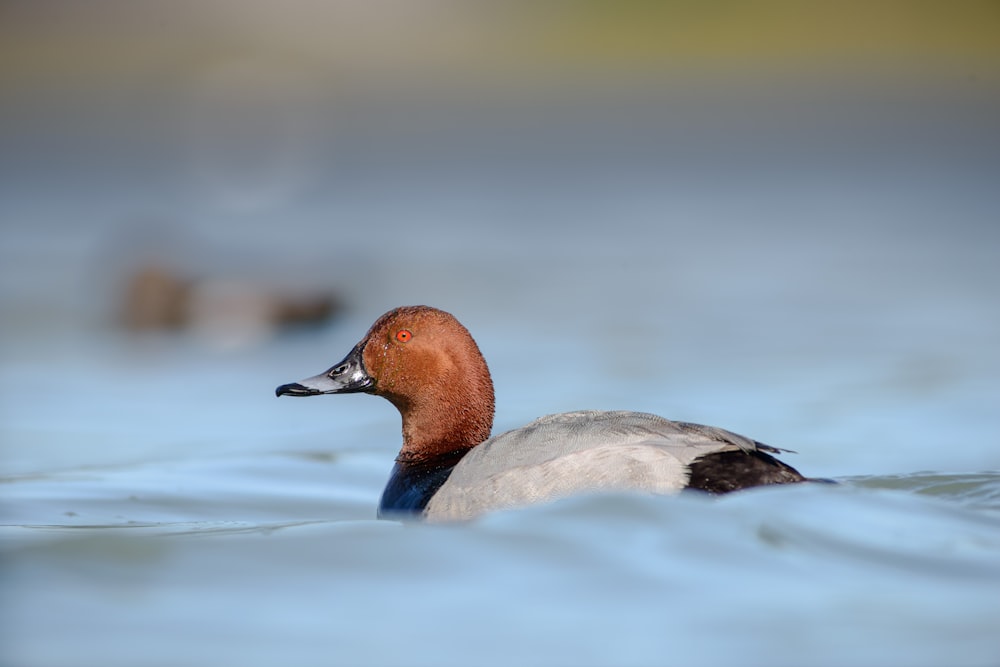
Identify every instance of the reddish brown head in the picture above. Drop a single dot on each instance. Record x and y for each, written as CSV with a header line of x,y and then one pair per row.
x,y
426,364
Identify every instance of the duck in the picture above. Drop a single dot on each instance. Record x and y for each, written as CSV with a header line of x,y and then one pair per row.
x,y
427,364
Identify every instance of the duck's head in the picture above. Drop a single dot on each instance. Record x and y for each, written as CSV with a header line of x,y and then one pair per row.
x,y
426,364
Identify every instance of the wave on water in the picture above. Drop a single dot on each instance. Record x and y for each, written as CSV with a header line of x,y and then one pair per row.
x,y
888,570
973,489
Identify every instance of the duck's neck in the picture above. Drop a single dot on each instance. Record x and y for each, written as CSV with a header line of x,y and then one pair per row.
x,y
449,422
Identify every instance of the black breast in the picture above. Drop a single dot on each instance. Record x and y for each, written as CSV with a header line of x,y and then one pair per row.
x,y
412,484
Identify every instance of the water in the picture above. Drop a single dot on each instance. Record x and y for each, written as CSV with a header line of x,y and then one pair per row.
x,y
820,575
161,507
177,513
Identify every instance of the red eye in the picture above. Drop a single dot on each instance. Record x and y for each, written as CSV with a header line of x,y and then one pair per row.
x,y
403,335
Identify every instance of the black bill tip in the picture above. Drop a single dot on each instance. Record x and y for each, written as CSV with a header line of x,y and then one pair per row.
x,y
295,389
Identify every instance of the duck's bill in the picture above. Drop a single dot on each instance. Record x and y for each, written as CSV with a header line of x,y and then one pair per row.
x,y
347,377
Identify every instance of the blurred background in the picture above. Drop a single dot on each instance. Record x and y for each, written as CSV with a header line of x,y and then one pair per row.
x,y
694,198
782,218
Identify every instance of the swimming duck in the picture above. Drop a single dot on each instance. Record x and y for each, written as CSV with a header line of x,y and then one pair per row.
x,y
449,468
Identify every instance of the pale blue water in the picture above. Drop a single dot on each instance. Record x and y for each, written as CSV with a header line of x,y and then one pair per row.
x,y
161,507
